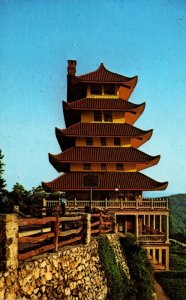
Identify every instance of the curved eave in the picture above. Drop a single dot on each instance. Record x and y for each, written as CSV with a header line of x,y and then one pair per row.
x,y
103,75
145,165
140,140
71,116
62,161
104,129
131,118
94,104
58,165
61,138
130,83
108,182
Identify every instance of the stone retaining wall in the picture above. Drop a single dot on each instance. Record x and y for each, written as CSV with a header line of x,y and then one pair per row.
x,y
74,273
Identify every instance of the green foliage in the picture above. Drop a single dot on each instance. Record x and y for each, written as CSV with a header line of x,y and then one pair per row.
x,y
2,180
178,260
177,204
139,266
121,287
174,282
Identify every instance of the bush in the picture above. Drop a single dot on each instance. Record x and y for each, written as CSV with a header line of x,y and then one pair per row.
x,y
121,287
139,266
174,283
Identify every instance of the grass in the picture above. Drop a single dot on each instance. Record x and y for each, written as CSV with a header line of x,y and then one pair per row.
x,y
174,282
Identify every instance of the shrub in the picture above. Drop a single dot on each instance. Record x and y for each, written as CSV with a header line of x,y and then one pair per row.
x,y
174,283
139,266
121,287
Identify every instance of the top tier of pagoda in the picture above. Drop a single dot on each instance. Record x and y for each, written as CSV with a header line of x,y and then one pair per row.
x,y
100,139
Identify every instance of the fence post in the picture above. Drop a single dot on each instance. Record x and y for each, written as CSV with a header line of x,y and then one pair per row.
x,y
87,226
56,231
11,244
44,207
100,220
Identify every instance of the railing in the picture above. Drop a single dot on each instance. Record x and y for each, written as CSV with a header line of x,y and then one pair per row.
x,y
50,203
35,237
26,237
119,204
101,223
156,238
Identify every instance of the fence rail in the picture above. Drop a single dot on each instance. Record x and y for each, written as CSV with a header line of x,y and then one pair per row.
x,y
61,231
101,223
33,236
152,238
119,204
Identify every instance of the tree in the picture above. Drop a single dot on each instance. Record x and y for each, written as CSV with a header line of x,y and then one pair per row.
x,y
2,180
19,195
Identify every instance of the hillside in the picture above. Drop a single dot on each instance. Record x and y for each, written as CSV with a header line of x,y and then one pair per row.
x,y
177,204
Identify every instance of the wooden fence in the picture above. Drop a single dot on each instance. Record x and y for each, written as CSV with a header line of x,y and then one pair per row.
x,y
39,235
101,223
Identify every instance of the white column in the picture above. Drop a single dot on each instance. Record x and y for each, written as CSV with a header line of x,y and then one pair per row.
x,y
154,222
160,223
148,220
160,256
167,229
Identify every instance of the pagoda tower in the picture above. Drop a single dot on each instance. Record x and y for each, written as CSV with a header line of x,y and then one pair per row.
x,y
101,163
100,142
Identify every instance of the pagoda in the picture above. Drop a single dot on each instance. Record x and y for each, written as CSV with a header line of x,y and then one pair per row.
x,y
100,143
101,162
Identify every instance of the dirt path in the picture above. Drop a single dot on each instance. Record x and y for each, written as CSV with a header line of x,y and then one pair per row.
x,y
160,292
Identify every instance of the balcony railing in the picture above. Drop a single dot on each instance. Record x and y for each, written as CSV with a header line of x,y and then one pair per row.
x,y
119,204
156,238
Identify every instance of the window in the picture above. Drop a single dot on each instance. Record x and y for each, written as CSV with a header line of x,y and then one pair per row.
x,y
108,116
117,141
109,89
97,116
119,167
96,89
89,141
103,141
87,166
103,167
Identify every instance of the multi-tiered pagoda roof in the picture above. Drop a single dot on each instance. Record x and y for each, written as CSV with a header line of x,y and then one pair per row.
x,y
105,146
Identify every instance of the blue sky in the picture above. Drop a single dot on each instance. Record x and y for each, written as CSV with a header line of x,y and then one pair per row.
x,y
144,38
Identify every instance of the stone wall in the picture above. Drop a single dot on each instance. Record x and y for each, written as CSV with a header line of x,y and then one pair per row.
x,y
74,273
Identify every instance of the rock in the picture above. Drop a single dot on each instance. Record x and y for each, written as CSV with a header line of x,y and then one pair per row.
x,y
2,294
67,291
43,288
48,276
2,283
35,291
43,264
10,295
55,263
72,285
43,280
36,273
